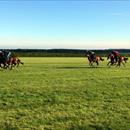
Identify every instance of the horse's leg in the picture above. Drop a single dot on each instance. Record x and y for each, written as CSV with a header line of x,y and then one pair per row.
x,y
118,64
123,64
17,64
108,63
0,65
111,64
8,64
14,64
90,63
5,66
97,63
11,65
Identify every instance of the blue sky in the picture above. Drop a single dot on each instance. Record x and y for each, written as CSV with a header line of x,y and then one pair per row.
x,y
65,24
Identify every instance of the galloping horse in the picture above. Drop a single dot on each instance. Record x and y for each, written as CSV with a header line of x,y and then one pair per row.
x,y
11,62
14,61
3,63
122,60
96,60
112,59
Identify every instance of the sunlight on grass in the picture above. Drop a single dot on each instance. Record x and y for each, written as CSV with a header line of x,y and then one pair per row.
x,y
64,94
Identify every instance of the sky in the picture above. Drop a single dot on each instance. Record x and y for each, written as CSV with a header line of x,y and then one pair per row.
x,y
74,24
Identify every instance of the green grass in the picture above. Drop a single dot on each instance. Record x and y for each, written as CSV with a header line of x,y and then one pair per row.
x,y
64,94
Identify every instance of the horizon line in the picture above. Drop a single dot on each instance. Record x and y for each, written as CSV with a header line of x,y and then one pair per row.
x,y
64,49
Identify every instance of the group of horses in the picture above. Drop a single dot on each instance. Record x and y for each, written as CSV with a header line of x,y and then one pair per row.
x,y
112,62
13,61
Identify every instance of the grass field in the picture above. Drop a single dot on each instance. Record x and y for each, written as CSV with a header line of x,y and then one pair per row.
x,y
64,94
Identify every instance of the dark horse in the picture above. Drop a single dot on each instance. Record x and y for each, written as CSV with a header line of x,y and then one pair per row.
x,y
3,63
96,60
10,63
112,59
121,60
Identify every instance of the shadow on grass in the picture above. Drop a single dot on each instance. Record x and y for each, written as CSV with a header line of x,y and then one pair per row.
x,y
83,67
91,127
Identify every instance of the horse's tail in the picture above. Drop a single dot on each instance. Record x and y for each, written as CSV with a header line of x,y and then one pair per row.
x,y
126,58
19,61
101,59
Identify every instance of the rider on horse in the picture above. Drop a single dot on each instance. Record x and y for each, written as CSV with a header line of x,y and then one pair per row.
x,y
91,54
6,55
116,55
1,54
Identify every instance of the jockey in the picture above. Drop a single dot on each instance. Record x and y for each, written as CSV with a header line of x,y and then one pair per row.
x,y
6,55
92,55
116,55
1,54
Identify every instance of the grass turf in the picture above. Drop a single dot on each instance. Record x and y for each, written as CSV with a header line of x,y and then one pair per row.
x,y
64,94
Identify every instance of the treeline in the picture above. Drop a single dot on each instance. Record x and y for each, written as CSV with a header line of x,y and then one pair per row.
x,y
62,52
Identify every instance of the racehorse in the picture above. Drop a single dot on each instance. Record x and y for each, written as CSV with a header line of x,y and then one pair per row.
x,y
96,60
14,61
112,59
122,60
3,63
11,62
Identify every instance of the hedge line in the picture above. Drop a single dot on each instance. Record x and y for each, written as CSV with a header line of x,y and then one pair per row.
x,y
62,52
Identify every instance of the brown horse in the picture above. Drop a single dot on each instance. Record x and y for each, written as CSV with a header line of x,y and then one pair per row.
x,y
96,60
122,60
14,61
